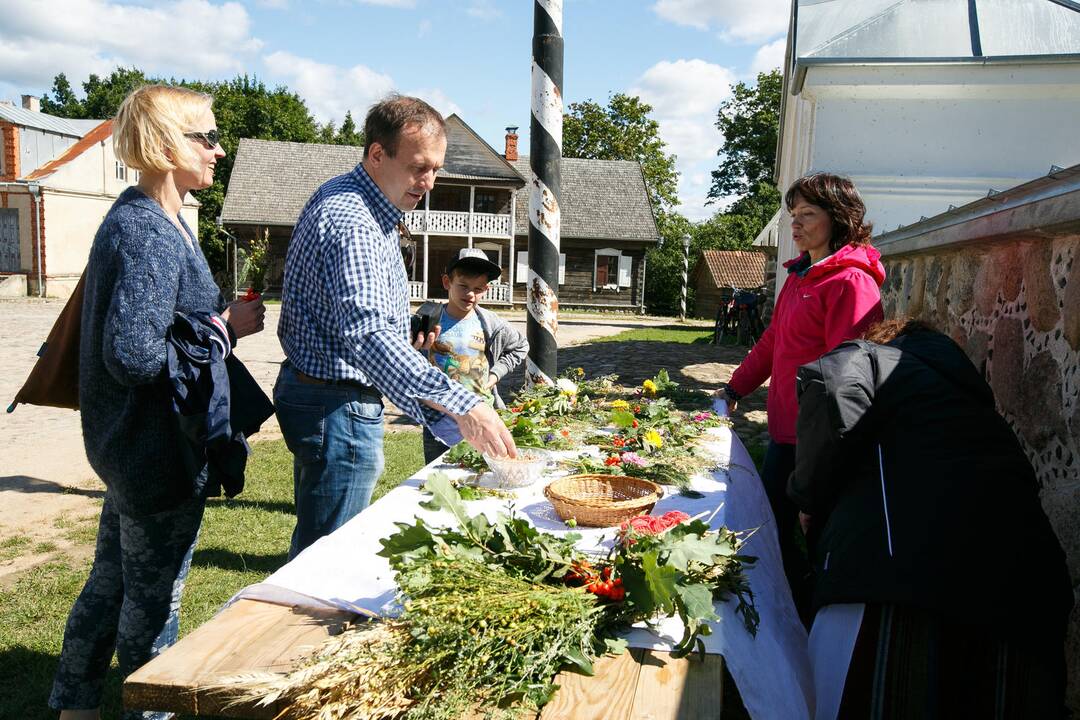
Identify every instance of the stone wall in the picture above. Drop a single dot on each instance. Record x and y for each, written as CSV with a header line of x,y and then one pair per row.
x,y
1013,303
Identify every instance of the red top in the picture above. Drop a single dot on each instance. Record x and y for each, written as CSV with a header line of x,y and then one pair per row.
x,y
833,301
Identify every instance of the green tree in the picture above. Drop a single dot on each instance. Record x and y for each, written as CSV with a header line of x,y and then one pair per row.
x,y
63,102
245,108
750,123
623,130
348,134
327,134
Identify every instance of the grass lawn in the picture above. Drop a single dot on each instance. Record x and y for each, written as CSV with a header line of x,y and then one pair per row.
x,y
242,541
689,335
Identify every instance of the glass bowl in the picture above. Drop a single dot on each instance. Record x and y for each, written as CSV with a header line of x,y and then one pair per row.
x,y
524,470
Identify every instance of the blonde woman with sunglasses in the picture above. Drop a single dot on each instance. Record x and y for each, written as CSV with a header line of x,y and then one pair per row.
x,y
144,267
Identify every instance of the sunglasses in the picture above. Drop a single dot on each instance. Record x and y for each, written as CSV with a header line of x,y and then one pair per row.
x,y
210,138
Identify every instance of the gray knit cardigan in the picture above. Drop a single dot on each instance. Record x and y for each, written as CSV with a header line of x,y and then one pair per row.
x,y
141,271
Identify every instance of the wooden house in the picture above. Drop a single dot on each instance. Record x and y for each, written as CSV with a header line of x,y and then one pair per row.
x,y
480,199
718,273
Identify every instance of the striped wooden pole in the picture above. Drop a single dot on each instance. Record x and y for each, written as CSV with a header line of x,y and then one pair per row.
x,y
685,274
545,156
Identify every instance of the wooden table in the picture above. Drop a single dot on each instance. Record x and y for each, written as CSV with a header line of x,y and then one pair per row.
x,y
257,636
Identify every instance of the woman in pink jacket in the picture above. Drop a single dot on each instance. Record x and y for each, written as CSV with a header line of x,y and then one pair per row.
x,y
831,295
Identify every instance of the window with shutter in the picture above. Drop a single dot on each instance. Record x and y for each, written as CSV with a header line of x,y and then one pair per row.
x,y
606,269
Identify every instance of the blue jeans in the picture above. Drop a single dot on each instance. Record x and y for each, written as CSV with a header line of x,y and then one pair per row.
x,y
130,603
335,433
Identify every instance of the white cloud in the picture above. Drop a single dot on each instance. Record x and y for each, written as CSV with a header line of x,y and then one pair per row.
x,y
769,57
330,90
737,20
437,99
483,10
685,96
424,28
88,36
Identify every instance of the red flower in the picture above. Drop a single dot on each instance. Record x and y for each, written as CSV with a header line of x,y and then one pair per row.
x,y
618,442
635,424
674,517
612,460
639,523
564,433
637,409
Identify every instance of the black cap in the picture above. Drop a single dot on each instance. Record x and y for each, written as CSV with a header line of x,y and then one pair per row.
x,y
474,259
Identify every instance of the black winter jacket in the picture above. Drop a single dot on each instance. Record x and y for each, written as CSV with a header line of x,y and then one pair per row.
x,y
218,403
919,491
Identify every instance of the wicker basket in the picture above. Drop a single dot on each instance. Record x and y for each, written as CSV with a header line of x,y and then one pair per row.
x,y
602,500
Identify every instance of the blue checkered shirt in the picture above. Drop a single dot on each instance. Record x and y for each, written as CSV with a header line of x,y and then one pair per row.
x,y
345,300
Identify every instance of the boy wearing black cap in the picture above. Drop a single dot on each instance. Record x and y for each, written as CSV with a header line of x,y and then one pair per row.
x,y
476,347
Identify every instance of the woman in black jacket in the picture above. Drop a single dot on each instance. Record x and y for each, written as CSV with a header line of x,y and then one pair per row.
x,y
941,589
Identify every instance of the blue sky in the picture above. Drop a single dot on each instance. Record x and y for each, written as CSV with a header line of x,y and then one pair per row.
x,y
465,56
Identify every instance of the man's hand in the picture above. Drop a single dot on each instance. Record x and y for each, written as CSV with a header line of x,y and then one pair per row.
x,y
484,430
492,381
804,522
424,343
721,394
245,317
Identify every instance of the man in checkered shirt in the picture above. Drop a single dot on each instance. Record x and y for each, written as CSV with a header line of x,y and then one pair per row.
x,y
345,327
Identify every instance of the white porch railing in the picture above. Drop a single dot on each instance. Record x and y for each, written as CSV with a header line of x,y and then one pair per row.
x,y
417,290
447,222
497,293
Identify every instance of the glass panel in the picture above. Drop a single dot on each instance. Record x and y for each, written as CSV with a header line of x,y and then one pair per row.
x,y
1028,27
883,28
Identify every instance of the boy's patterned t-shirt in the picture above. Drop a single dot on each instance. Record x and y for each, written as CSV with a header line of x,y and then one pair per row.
x,y
461,353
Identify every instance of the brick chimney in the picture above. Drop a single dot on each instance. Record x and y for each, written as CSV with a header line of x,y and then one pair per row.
x,y
511,144
31,102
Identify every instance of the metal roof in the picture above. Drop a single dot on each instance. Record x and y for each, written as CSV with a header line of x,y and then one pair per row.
x,y
924,29
1049,201
101,132
42,121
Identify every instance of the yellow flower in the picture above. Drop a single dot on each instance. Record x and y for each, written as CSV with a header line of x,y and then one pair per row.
x,y
653,438
620,405
649,387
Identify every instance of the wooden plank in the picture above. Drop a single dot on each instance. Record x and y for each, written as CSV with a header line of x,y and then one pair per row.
x,y
245,637
607,695
671,688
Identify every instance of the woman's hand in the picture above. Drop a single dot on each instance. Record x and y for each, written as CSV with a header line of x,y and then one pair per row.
x,y
721,393
804,522
245,317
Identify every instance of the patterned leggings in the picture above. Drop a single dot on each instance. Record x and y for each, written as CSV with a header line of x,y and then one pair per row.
x,y
130,603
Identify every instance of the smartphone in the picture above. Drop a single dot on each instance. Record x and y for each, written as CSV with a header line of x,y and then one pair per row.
x,y
419,324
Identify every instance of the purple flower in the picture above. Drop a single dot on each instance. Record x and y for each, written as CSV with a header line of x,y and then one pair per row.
x,y
549,437
632,458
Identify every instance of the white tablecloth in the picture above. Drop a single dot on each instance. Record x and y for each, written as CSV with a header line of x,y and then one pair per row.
x,y
771,670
